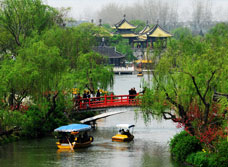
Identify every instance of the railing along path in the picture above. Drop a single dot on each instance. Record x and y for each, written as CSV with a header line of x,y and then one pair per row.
x,y
107,101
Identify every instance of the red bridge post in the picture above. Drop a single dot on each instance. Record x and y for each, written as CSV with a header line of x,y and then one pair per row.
x,y
105,99
111,98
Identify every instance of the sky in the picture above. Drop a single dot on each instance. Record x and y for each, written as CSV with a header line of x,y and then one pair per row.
x,y
82,9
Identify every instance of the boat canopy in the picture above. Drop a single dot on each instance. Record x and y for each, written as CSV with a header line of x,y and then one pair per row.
x,y
73,128
126,126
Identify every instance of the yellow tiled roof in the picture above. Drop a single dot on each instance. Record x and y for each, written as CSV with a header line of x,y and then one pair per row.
x,y
142,37
145,30
159,32
129,35
126,25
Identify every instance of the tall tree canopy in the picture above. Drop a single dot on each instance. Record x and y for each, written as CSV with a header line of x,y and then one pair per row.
x,y
42,60
19,18
189,73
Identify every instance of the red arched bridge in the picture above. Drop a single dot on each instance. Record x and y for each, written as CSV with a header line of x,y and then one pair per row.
x,y
107,101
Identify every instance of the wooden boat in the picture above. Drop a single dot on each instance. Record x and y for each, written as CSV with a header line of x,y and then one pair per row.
x,y
70,136
124,134
62,145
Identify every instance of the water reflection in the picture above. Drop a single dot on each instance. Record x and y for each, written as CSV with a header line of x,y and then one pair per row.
x,y
149,148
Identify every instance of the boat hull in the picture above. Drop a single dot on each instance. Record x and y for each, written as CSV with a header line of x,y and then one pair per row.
x,y
122,138
74,145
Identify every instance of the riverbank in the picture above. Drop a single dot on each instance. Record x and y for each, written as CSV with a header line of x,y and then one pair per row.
x,y
149,148
16,133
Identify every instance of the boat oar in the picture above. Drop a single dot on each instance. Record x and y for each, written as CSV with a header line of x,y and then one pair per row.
x,y
70,144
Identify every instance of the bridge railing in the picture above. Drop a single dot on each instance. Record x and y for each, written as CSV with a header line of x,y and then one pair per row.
x,y
108,101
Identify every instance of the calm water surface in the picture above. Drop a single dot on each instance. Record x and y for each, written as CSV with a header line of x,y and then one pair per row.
x,y
149,148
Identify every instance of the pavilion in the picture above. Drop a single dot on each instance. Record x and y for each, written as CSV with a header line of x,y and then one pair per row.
x,y
145,38
125,29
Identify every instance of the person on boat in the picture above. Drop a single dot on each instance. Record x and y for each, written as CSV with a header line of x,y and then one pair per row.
x,y
79,138
63,138
127,133
85,137
122,132
72,138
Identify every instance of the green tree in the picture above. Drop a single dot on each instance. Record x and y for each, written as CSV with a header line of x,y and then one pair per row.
x,y
93,74
140,25
187,74
181,32
49,60
37,69
122,46
19,18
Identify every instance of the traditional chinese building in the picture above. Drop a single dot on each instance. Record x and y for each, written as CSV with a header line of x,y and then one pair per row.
x,y
157,33
141,39
125,29
113,57
145,38
148,36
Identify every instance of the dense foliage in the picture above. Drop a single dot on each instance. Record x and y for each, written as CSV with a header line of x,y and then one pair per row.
x,y
122,46
189,86
40,62
206,159
186,148
182,145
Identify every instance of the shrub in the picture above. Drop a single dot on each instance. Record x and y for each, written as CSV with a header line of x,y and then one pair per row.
x,y
223,153
198,159
206,160
36,125
182,145
219,158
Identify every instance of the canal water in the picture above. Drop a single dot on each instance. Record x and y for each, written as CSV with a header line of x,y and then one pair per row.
x,y
149,148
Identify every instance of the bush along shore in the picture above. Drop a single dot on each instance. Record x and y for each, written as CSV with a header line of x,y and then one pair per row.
x,y
187,149
31,124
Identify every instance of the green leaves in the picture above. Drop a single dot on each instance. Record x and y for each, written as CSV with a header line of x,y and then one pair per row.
x,y
19,18
92,73
190,70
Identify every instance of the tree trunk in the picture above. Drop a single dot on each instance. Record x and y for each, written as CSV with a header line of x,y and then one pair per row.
x,y
53,107
206,113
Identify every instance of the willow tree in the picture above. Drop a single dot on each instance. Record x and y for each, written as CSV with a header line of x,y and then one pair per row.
x,y
19,18
76,47
187,76
37,68
92,73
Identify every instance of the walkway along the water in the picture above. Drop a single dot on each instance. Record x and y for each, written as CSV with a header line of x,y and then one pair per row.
x,y
108,101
